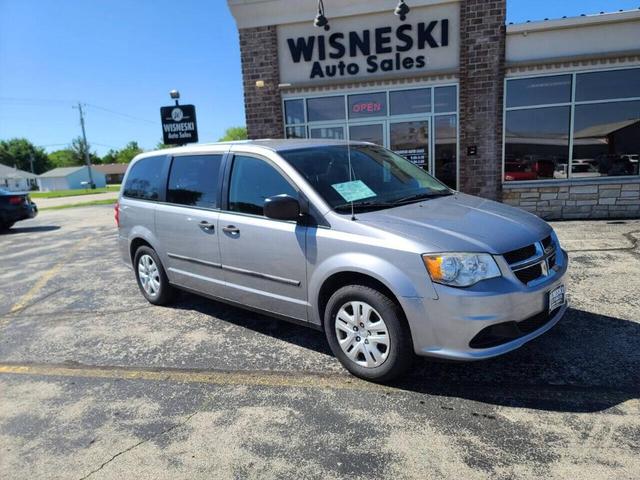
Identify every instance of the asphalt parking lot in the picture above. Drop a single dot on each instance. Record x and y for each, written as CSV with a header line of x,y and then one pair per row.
x,y
96,383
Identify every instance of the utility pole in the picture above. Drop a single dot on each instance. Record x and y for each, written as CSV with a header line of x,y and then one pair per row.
x,y
31,161
87,160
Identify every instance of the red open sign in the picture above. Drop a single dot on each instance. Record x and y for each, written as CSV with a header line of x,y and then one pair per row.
x,y
370,107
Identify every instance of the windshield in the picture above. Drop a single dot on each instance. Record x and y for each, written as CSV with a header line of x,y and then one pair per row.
x,y
379,178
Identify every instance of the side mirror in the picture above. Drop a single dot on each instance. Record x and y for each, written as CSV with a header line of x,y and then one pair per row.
x,y
282,207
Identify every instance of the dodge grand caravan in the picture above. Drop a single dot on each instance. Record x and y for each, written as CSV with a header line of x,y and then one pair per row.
x,y
348,238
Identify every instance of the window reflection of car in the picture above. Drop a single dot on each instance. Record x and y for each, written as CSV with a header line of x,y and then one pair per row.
x,y
615,165
542,166
584,167
518,170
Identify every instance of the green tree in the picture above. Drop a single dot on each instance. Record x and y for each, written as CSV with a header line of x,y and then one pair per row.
x,y
124,155
129,151
162,146
234,133
18,152
78,147
63,158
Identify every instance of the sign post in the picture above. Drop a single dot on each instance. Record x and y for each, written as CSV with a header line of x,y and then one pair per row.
x,y
179,124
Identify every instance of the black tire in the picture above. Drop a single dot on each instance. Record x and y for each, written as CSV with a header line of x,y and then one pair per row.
x,y
400,353
165,293
6,225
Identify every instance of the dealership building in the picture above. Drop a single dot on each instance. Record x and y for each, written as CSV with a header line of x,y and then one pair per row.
x,y
543,115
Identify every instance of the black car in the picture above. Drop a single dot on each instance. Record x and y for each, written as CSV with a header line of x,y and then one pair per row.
x,y
15,206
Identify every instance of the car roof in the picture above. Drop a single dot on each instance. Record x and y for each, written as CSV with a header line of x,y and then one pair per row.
x,y
276,145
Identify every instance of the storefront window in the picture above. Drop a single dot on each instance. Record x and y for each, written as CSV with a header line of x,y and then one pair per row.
x,y
606,139
419,123
411,140
608,85
539,91
586,137
367,133
537,143
444,99
336,133
368,105
296,132
293,111
445,155
325,108
407,102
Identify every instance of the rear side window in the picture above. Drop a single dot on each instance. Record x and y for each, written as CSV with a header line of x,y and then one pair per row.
x,y
145,178
252,182
194,180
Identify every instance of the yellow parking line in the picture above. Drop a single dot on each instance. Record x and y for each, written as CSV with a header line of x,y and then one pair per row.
x,y
46,276
260,378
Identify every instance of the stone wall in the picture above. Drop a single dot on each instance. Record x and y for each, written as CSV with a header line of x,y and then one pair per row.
x,y
263,106
482,69
602,200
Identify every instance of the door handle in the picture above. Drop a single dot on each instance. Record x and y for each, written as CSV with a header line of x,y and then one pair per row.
x,y
210,227
231,229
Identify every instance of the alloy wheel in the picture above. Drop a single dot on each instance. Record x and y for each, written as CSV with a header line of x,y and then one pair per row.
x,y
149,275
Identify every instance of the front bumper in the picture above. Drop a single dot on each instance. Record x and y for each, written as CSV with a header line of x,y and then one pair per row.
x,y
457,316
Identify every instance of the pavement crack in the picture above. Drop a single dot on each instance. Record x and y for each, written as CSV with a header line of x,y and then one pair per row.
x,y
141,442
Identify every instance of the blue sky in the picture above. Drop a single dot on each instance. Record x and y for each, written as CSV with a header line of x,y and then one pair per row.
x,y
125,56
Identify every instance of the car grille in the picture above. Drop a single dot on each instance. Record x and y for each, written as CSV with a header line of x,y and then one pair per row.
x,y
534,263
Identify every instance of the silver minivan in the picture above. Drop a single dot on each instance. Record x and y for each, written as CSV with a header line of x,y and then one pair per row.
x,y
348,238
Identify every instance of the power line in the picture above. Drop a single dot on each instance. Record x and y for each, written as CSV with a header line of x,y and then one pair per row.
x,y
72,103
126,115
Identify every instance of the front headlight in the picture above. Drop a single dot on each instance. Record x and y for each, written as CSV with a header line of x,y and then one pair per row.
x,y
460,269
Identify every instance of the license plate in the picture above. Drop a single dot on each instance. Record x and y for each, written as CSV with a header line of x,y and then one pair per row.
x,y
556,298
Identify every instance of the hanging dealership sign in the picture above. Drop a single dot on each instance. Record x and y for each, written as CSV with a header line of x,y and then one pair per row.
x,y
370,45
179,124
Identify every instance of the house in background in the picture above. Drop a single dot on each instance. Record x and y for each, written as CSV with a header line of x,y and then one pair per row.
x,y
70,178
113,171
16,180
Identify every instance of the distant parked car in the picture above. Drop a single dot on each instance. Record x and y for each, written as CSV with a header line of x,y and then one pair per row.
x,y
15,206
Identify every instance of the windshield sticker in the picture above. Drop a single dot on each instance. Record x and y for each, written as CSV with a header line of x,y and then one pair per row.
x,y
352,191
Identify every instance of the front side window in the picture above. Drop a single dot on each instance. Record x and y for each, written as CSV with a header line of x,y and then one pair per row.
x,y
253,181
367,176
144,179
194,180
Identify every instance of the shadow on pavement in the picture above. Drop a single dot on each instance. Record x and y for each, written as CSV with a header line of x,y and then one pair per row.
x,y
43,228
588,362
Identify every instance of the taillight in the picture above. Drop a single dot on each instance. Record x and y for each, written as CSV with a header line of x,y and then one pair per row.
x,y
116,213
16,200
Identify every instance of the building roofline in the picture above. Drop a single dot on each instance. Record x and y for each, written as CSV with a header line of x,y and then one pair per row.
x,y
573,22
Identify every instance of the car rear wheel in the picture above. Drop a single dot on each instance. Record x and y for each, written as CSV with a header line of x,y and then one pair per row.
x,y
367,333
6,225
151,277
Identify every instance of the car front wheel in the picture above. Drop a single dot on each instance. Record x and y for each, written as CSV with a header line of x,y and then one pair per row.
x,y
367,333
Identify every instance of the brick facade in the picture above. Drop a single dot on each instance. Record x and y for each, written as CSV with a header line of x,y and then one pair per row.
x,y
619,199
482,69
263,105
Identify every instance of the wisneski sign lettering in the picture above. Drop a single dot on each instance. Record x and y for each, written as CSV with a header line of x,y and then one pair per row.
x,y
384,49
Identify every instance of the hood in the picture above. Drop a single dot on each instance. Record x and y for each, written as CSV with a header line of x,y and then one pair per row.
x,y
461,223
